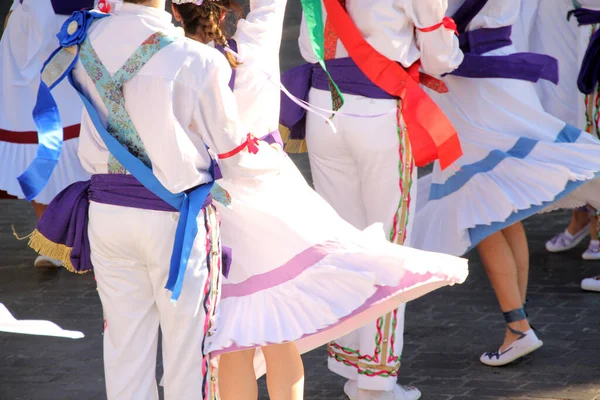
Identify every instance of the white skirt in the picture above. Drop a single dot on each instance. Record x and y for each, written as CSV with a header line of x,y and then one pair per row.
x,y
301,273
518,160
15,158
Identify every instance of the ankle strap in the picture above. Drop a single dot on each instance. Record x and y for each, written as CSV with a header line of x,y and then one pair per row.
x,y
518,314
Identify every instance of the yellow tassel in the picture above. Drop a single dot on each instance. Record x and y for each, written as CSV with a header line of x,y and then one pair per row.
x,y
293,146
44,246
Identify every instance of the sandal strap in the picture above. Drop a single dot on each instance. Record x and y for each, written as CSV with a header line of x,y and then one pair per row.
x,y
516,315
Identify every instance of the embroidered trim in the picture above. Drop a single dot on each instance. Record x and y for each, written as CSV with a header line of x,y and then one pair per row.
x,y
119,122
211,293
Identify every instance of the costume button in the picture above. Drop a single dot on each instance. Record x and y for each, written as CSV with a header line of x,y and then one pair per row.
x,y
175,217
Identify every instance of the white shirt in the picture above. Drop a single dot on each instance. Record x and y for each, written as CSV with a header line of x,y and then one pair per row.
x,y
178,101
259,37
389,26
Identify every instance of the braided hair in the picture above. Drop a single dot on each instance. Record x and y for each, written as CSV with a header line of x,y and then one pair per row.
x,y
204,21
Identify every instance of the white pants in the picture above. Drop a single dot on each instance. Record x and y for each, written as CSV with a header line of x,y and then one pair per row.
x,y
366,172
131,251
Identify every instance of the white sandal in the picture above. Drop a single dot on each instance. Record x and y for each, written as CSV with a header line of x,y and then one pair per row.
x,y
528,342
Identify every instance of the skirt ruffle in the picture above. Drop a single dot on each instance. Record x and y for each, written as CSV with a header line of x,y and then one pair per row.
x,y
518,161
300,273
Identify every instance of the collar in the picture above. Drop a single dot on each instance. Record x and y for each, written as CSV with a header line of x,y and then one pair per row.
x,y
147,12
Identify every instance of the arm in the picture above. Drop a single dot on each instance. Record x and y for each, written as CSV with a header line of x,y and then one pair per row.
x,y
263,26
440,52
216,120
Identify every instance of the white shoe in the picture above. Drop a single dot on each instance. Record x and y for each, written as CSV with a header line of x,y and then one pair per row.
x,y
592,252
46,262
565,241
528,343
591,284
400,392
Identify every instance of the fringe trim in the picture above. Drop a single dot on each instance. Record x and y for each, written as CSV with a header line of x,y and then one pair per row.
x,y
293,146
44,246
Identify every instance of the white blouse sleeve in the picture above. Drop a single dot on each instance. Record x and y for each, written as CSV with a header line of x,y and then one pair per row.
x,y
440,52
262,28
217,121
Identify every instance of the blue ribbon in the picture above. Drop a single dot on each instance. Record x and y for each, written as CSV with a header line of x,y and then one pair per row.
x,y
50,137
47,120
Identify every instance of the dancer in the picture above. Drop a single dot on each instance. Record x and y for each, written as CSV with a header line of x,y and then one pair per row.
x,y
518,160
575,51
366,170
316,278
258,37
27,42
569,45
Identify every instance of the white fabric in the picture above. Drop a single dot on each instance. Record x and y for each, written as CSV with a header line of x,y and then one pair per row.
x,y
28,41
180,93
358,173
491,115
10,324
131,252
552,34
389,26
258,37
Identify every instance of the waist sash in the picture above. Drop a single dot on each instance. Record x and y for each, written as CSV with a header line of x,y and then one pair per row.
x,y
298,80
587,80
524,66
63,229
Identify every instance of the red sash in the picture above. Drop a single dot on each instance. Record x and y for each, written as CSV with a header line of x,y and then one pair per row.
x,y
431,134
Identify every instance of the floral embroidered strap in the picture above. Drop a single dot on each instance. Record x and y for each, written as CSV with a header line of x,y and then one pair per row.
x,y
119,123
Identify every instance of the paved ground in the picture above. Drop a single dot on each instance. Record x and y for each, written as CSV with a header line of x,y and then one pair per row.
x,y
445,331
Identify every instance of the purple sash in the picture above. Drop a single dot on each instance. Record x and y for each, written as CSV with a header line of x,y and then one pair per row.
x,y
65,221
346,74
587,80
524,66
67,7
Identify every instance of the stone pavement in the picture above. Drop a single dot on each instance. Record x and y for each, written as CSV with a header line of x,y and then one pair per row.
x,y
445,331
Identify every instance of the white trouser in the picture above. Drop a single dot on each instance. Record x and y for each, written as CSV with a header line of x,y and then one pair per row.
x,y
131,251
366,172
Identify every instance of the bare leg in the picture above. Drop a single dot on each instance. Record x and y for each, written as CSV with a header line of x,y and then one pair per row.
x,y
579,220
237,380
501,270
39,209
593,218
517,241
285,372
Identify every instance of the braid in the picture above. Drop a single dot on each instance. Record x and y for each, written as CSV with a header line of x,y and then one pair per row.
x,y
205,22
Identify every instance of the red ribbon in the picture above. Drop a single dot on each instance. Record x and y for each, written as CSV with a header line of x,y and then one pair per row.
x,y
251,143
447,23
431,134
